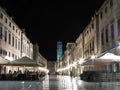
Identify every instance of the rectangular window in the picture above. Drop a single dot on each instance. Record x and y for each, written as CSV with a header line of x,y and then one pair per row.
x,y
5,20
92,26
9,38
1,16
93,45
0,32
13,55
16,43
90,47
13,28
106,34
112,32
10,24
5,36
102,38
13,41
101,15
119,28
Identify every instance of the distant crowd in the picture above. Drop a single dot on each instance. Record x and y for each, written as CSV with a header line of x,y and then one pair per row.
x,y
18,75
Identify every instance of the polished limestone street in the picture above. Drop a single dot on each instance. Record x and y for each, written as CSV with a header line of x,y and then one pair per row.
x,y
53,82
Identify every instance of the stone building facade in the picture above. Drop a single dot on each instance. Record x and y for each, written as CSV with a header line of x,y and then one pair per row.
x,y
14,44
101,35
10,37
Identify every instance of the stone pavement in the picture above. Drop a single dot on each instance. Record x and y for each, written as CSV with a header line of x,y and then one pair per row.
x,y
58,83
103,83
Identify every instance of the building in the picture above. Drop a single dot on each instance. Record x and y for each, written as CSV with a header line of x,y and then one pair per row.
x,y
38,57
26,46
14,42
16,48
100,36
10,37
59,50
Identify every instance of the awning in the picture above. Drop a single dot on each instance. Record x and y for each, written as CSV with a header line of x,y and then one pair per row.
x,y
24,61
102,60
108,57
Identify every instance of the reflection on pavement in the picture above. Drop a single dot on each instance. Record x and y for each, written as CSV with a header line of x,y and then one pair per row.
x,y
53,82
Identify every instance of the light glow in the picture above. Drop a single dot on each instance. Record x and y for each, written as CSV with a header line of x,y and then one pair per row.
x,y
81,60
43,69
9,58
93,57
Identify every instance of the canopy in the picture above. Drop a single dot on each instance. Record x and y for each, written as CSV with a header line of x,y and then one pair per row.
x,y
24,61
108,57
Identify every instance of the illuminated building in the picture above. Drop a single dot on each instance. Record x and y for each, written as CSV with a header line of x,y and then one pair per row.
x,y
14,44
59,50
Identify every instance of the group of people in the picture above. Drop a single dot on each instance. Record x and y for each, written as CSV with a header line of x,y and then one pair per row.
x,y
19,75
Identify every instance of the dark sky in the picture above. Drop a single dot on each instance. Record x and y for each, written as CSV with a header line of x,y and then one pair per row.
x,y
47,22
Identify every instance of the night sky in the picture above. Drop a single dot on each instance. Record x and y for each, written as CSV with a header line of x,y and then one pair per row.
x,y
47,22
